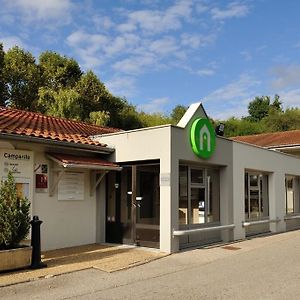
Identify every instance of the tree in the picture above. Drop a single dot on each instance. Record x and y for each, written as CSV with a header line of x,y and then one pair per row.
x,y
259,108
236,127
100,118
3,87
283,121
58,71
22,77
277,104
153,119
94,96
177,113
14,215
64,103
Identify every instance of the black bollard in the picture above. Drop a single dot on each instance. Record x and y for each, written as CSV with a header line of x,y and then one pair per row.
x,y
36,262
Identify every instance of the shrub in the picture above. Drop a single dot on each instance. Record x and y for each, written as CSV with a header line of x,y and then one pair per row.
x,y
14,215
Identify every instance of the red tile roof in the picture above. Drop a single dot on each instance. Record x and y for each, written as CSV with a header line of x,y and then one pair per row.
x,y
85,161
19,122
272,140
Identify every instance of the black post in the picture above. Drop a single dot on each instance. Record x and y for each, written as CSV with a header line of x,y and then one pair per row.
x,y
36,262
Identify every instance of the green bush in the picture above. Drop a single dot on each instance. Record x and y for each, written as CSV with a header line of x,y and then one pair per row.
x,y
14,215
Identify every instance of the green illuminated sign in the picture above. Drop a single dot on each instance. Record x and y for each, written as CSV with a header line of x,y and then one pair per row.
x,y
203,139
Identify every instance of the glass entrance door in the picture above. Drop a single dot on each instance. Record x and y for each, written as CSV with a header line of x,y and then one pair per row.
x,y
147,206
133,206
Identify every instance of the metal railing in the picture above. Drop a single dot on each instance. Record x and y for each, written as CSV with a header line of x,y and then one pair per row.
x,y
204,229
251,223
292,217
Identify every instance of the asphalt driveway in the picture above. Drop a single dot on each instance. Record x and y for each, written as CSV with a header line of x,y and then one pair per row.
x,y
261,268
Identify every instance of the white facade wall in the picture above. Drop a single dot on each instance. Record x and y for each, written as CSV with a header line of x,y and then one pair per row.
x,y
65,223
277,165
149,144
171,145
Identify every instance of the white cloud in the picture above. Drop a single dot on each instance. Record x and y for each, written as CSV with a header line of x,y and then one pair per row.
x,y
234,90
156,105
233,10
154,21
285,76
238,111
246,55
206,72
290,98
33,10
103,22
164,46
11,41
87,47
135,64
232,99
124,86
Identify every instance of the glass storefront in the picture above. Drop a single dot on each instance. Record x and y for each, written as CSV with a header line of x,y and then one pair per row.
x,y
292,194
199,195
133,205
256,196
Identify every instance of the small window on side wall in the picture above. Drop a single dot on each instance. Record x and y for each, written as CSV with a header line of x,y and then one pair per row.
x,y
291,194
256,195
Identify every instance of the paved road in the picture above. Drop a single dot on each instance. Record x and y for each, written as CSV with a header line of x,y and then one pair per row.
x,y
264,268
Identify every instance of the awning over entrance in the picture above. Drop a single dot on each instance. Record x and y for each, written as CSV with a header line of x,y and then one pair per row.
x,y
73,161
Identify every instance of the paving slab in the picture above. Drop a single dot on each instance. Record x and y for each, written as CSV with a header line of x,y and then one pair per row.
x,y
107,258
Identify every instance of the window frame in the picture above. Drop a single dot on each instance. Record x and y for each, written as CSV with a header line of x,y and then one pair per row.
x,y
201,185
259,189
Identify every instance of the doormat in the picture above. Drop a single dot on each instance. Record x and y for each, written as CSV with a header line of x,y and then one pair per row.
x,y
233,248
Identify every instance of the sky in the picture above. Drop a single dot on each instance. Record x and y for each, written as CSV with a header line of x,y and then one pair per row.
x,y
159,54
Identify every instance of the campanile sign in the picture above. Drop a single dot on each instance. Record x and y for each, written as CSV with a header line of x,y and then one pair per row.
x,y
202,137
19,162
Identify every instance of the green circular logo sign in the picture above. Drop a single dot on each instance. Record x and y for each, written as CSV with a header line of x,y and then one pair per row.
x,y
203,138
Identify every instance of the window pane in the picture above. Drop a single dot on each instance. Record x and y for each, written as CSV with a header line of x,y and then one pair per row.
x,y
183,195
246,197
197,176
213,205
256,196
198,205
289,195
254,204
264,195
253,180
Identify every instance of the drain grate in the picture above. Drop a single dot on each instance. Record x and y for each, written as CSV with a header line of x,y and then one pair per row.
x,y
231,248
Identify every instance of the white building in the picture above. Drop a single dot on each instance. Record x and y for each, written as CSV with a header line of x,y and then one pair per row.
x,y
168,187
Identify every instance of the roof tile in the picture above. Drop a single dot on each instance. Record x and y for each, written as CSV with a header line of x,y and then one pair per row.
x,y
271,140
19,122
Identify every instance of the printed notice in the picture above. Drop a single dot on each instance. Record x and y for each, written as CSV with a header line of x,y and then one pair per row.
x,y
71,186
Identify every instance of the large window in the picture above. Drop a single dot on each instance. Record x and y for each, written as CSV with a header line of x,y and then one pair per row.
x,y
256,195
291,194
199,195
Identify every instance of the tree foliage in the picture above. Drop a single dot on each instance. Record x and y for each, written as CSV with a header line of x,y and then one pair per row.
x,y
56,85
22,79
177,113
14,215
260,107
3,87
58,71
264,116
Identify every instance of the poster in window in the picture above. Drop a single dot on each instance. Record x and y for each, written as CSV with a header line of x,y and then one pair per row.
x,y
41,178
